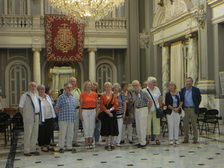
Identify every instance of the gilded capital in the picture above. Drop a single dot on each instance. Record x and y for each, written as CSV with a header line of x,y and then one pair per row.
x,y
92,49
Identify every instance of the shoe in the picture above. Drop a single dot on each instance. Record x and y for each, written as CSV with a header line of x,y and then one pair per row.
x,y
51,148
35,153
71,150
147,141
91,146
185,141
61,150
74,150
171,142
157,142
75,145
112,147
130,142
195,141
122,142
27,154
44,149
108,148
177,142
137,144
118,145
141,146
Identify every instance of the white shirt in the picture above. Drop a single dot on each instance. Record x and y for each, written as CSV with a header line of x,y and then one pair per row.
x,y
155,94
34,99
76,94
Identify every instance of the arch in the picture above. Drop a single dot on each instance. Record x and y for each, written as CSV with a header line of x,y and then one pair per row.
x,y
169,11
112,66
159,17
76,65
7,77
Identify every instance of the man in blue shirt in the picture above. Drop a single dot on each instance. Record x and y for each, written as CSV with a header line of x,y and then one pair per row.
x,y
66,117
191,97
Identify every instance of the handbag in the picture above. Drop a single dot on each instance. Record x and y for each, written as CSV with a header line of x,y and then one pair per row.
x,y
159,112
108,106
182,112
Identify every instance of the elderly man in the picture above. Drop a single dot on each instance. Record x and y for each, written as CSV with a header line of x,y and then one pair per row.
x,y
142,103
191,97
29,106
66,117
76,94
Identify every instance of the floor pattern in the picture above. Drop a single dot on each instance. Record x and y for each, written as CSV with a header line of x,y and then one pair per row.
x,y
208,153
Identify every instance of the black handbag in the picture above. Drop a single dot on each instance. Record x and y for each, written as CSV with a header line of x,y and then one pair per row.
x,y
159,112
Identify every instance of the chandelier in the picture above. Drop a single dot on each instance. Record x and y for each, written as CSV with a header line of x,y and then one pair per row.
x,y
83,10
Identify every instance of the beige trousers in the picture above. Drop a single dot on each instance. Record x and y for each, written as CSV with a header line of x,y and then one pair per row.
x,y
155,123
141,116
66,132
31,135
190,116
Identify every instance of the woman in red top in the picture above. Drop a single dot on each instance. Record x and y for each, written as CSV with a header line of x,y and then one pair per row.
x,y
88,109
108,108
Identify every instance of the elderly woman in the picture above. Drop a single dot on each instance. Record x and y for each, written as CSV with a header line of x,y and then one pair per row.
x,y
154,93
108,108
95,87
121,110
46,126
88,109
174,103
129,115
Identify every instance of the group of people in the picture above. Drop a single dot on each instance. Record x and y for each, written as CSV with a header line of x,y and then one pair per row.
x,y
110,114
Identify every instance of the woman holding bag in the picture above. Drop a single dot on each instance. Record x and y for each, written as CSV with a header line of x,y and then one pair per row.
x,y
174,103
153,121
108,108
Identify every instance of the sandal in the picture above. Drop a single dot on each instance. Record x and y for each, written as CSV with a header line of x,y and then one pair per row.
x,y
157,142
44,149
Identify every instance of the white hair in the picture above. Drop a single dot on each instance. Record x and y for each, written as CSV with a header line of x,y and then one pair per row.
x,y
116,85
151,79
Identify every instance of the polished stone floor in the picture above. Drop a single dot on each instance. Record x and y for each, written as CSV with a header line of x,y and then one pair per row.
x,y
208,153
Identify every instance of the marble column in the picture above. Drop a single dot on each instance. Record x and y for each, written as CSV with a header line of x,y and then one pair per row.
x,y
28,7
5,7
192,59
165,68
92,64
42,7
56,84
36,65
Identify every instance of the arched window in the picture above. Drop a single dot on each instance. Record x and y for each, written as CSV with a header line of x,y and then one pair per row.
x,y
104,74
18,81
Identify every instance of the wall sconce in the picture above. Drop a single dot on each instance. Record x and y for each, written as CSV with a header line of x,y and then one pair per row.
x,y
144,39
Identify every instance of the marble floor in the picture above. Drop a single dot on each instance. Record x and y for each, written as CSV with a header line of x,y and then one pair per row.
x,y
209,152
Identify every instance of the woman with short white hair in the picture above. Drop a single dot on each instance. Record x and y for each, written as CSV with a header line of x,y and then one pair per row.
x,y
46,125
154,93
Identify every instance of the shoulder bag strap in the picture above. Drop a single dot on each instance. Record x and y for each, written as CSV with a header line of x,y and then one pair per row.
x,y
111,100
152,98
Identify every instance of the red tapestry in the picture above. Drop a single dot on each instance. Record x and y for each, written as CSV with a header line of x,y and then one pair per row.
x,y
64,38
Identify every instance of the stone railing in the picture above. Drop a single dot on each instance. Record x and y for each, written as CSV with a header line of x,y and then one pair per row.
x,y
111,24
37,22
16,21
